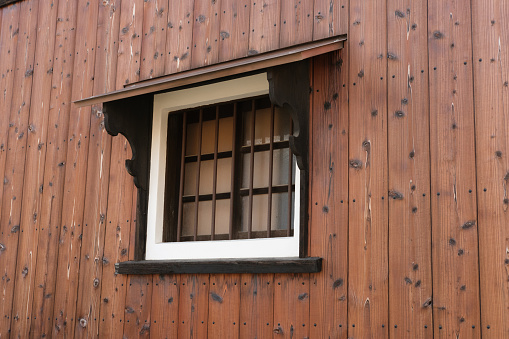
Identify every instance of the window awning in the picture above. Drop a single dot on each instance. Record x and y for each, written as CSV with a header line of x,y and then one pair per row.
x,y
229,68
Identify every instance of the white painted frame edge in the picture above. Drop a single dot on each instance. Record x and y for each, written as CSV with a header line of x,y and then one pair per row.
x,y
165,103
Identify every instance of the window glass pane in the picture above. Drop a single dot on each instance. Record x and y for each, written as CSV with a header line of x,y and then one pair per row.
x,y
262,126
260,203
192,139
225,134
204,218
281,124
279,215
190,178
208,137
224,168
280,167
223,216
247,118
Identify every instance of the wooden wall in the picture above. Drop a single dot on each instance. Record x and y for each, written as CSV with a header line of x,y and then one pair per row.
x,y
409,170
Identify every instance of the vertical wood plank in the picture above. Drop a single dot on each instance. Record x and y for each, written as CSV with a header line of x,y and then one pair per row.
x,y
129,45
137,307
179,36
234,29
296,24
116,246
224,306
368,210
153,49
453,204
56,151
291,306
9,34
205,33
75,173
165,306
193,306
15,161
330,18
410,278
329,200
256,305
490,51
264,26
33,175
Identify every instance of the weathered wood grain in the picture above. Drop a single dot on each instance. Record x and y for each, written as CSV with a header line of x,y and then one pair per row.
x,y
56,151
264,26
153,49
296,23
330,18
256,305
179,36
165,306
410,277
75,174
329,199
193,306
8,41
205,33
291,306
224,306
490,37
453,184
16,146
33,176
368,210
234,29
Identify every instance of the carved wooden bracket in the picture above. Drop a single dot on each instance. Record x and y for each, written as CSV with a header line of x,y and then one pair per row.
x,y
132,117
289,89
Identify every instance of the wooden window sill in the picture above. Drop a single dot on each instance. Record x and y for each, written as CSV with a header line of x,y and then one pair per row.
x,y
220,266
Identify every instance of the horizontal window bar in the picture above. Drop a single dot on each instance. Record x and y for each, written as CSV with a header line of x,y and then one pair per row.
x,y
206,197
208,156
265,190
266,147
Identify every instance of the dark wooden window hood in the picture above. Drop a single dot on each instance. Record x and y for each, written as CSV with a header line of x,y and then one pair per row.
x,y
225,69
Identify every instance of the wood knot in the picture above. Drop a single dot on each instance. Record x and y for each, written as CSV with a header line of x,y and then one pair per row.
x,y
83,322
428,302
361,74
224,35
355,163
468,224
337,283
395,195
24,273
408,280
2,247
391,56
216,297
399,14
201,18
129,310
96,282
438,35
452,241
327,105
278,330
252,52
29,73
302,296
399,114
145,329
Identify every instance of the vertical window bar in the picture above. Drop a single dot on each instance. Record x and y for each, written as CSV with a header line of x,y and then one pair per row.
x,y
181,185
214,183
251,170
197,191
233,174
290,165
271,169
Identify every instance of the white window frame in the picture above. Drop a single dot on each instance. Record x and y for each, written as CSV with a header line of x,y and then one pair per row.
x,y
156,249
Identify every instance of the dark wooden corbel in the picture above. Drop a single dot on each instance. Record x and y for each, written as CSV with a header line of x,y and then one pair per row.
x,y
289,89
132,117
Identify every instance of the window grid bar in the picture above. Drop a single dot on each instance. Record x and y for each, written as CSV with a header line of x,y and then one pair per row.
x,y
197,191
214,183
233,174
290,165
181,184
271,170
251,170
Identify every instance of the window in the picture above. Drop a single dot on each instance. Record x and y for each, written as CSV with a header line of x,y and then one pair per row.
x,y
216,191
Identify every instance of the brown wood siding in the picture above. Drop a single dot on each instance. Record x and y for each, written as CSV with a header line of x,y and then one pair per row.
x,y
408,187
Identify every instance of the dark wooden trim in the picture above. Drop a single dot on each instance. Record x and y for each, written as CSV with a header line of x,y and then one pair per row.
x,y
225,69
7,2
289,88
263,265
